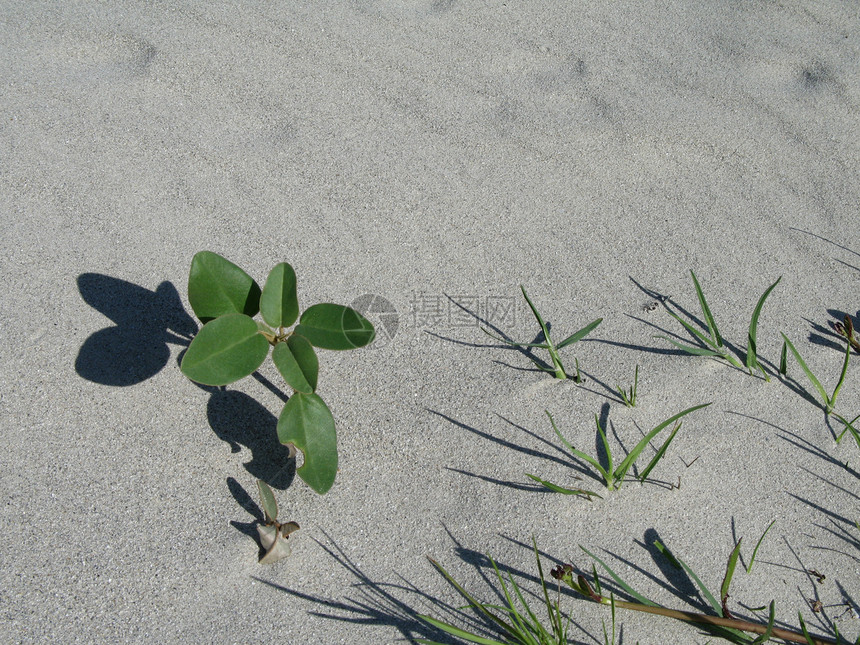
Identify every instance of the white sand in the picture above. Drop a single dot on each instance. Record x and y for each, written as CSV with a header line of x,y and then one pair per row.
x,y
414,150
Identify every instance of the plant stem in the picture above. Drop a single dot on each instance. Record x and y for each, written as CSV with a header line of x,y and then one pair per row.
x,y
704,619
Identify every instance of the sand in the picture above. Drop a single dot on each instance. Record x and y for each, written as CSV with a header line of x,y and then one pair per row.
x,y
432,155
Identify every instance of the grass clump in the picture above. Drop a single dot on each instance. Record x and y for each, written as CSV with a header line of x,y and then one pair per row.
x,y
516,620
713,344
557,367
612,475
629,396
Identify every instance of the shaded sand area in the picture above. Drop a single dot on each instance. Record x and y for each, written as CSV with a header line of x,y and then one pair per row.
x,y
434,155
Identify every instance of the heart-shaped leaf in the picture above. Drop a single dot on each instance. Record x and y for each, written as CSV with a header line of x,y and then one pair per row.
x,y
307,423
330,326
270,504
279,303
298,363
225,350
216,287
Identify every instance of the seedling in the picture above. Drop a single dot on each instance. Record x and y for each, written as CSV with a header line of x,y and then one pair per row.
x,y
557,367
273,535
721,623
232,345
829,401
713,344
613,476
520,626
629,396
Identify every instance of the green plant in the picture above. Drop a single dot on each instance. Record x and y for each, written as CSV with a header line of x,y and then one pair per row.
x,y
557,367
629,396
829,401
714,344
613,476
232,344
721,623
519,626
273,535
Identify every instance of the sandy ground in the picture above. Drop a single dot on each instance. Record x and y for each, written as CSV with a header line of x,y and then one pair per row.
x,y
436,154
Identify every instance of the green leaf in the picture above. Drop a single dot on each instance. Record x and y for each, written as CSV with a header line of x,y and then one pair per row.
x,y
225,350
330,326
307,423
634,454
659,455
582,333
626,587
757,545
709,319
764,638
705,591
217,287
576,452
298,363
752,348
537,316
808,371
561,489
279,303
727,579
270,504
695,351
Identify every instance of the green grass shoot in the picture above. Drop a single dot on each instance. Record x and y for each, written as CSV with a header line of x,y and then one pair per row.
x,y
612,475
516,620
829,401
557,367
629,396
713,345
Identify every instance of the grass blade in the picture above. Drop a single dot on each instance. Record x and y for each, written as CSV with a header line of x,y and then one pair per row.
x,y
560,489
454,631
538,316
806,369
609,469
634,454
627,588
752,356
695,351
479,607
581,455
693,330
727,579
757,545
677,561
764,638
582,333
832,401
849,426
643,476
709,319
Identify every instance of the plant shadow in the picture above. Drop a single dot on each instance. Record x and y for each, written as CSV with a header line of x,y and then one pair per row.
x,y
378,603
135,348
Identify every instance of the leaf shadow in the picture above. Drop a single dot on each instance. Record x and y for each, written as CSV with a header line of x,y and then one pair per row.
x,y
135,348
379,603
240,420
